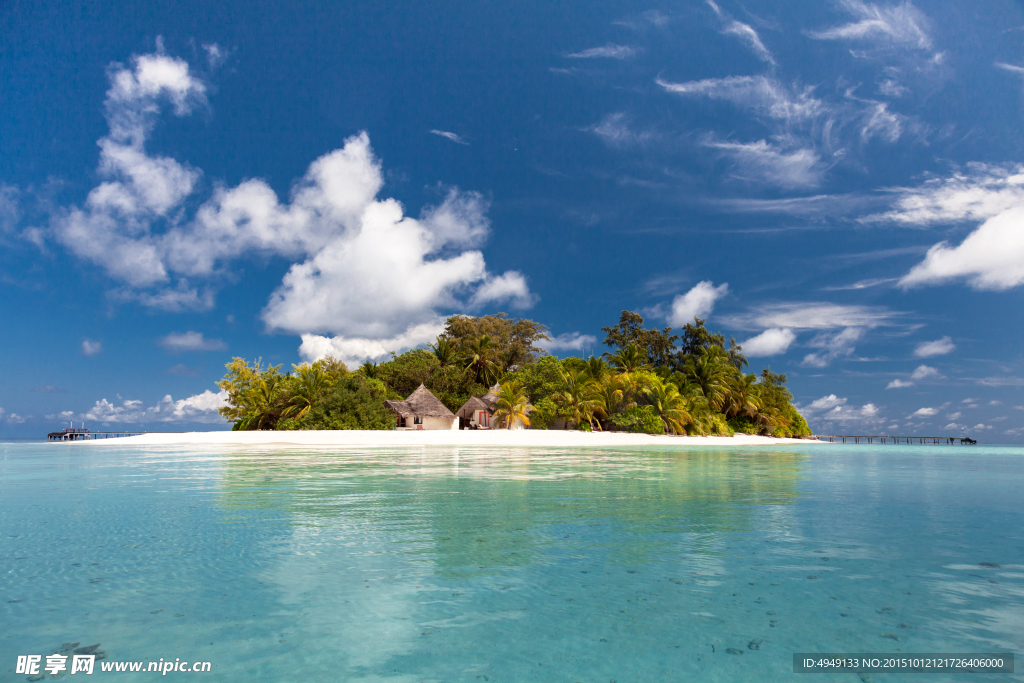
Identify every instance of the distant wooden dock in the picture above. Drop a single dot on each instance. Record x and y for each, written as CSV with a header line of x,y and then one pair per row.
x,y
949,440
69,434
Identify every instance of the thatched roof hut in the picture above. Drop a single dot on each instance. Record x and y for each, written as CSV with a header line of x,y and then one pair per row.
x,y
421,403
492,395
471,406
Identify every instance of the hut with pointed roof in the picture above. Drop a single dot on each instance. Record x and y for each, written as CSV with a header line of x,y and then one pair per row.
x,y
422,410
478,412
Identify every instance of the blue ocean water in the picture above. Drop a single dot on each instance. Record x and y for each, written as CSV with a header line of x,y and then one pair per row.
x,y
495,565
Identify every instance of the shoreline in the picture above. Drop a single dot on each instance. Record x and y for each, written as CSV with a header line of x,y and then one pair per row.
x,y
475,438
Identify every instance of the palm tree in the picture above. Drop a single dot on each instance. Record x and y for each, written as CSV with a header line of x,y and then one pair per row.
x,y
744,398
444,350
572,398
608,397
479,353
263,402
629,359
512,404
711,372
671,406
369,370
310,384
596,368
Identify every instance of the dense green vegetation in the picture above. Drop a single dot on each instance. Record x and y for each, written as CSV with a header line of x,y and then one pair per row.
x,y
651,381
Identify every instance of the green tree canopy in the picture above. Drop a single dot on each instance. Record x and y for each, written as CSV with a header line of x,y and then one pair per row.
x,y
514,341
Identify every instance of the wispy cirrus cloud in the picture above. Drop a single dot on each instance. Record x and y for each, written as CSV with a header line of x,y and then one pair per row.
x,y
744,32
773,164
49,389
813,315
449,135
901,25
763,95
1012,68
615,131
609,51
833,346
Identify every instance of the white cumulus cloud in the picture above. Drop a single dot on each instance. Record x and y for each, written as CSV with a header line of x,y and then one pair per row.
x,y
975,193
939,347
90,347
831,409
177,342
696,303
198,408
991,257
924,372
899,384
362,269
771,342
355,350
570,341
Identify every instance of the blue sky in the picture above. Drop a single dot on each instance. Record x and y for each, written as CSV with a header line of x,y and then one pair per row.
x,y
840,186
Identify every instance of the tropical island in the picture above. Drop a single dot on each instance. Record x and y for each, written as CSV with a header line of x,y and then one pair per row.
x,y
491,372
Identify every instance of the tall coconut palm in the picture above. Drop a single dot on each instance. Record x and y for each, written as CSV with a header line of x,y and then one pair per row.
x,y
629,359
310,383
744,397
480,356
444,350
572,397
263,402
671,406
711,372
512,404
596,368
608,396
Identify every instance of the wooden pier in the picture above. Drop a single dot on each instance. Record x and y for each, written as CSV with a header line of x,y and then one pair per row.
x,y
949,440
86,435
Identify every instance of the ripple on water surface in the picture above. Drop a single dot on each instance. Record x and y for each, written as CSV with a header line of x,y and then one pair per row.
x,y
447,564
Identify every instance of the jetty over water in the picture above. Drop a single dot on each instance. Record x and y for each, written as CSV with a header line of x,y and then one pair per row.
x,y
949,440
83,434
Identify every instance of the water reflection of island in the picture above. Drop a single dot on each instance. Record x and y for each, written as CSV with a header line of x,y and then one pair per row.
x,y
467,510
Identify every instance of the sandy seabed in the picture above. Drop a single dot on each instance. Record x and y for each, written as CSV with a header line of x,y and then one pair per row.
x,y
478,438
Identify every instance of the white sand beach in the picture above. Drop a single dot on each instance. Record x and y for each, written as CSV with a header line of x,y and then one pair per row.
x,y
477,438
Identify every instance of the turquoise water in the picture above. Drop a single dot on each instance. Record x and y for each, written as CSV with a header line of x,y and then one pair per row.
x,y
510,565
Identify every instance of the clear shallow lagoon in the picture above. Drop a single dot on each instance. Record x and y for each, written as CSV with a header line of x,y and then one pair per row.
x,y
511,565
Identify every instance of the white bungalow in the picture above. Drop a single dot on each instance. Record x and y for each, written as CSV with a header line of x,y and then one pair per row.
x,y
422,410
478,412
